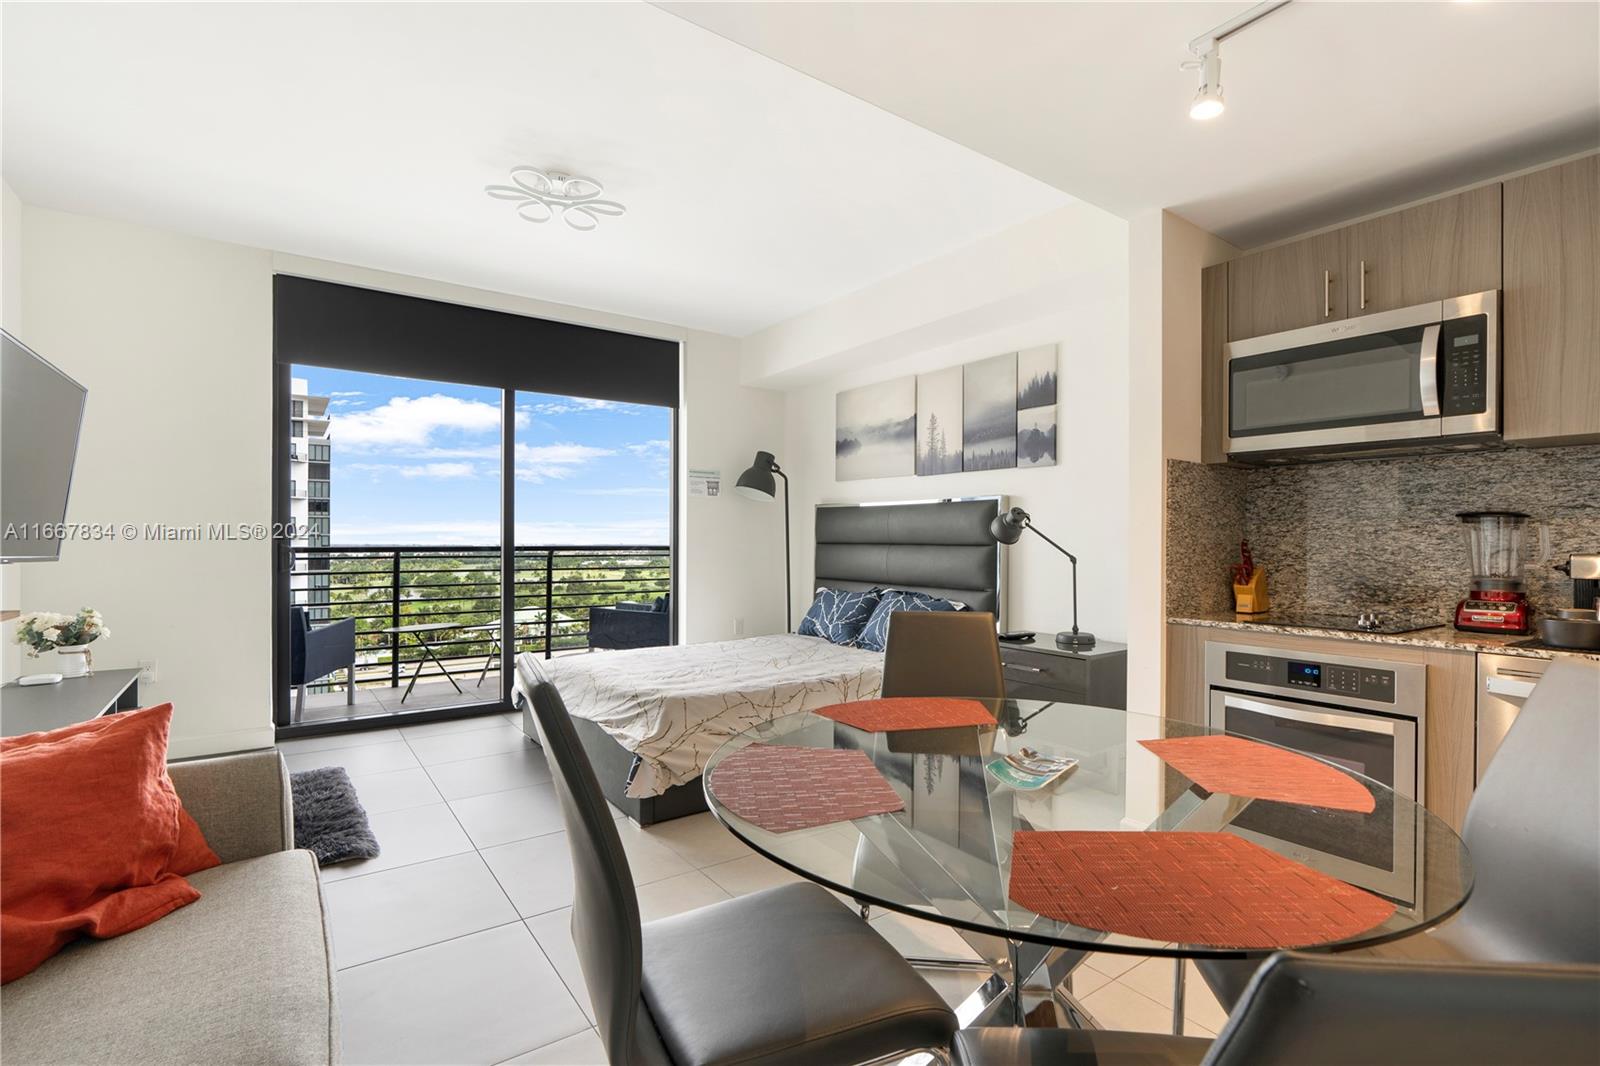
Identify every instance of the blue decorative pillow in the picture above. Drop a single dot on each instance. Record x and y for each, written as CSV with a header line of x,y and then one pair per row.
x,y
875,636
837,615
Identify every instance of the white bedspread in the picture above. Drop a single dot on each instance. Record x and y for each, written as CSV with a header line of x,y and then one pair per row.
x,y
674,706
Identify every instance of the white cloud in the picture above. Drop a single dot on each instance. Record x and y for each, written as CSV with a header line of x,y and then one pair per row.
x,y
573,404
641,490
651,448
647,531
440,470
413,421
541,462
347,392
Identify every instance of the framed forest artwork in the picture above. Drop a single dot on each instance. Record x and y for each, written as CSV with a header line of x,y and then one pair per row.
x,y
997,413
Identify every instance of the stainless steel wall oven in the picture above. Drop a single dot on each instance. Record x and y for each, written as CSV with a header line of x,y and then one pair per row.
x,y
1366,715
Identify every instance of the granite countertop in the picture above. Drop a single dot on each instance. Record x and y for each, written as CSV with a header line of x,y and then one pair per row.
x,y
1446,637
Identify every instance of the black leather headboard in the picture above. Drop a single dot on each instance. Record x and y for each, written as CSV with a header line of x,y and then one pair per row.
x,y
941,548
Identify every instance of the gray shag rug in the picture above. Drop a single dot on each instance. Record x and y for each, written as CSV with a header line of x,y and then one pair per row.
x,y
329,820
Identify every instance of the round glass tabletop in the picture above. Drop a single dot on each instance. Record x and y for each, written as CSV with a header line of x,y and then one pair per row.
x,y
1124,852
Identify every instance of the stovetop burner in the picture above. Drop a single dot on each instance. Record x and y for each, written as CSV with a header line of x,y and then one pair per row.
x,y
1365,622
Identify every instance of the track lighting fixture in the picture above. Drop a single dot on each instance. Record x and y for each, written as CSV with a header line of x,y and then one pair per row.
x,y
1207,52
1208,97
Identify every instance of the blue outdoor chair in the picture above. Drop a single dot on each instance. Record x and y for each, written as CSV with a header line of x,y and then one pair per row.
x,y
317,652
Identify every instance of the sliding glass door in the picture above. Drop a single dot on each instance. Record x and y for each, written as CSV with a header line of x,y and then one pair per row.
x,y
394,544
593,509
456,486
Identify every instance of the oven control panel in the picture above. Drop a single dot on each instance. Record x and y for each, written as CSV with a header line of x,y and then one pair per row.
x,y
1362,682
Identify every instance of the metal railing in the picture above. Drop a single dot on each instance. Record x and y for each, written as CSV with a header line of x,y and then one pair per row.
x,y
386,586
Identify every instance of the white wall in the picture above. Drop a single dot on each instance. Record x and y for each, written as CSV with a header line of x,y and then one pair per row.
x,y
732,559
1166,255
1061,279
11,319
172,336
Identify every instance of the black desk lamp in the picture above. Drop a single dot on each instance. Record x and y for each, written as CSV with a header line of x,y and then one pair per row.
x,y
1007,529
757,483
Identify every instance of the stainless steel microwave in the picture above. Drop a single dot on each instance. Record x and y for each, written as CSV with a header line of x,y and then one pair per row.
x,y
1390,381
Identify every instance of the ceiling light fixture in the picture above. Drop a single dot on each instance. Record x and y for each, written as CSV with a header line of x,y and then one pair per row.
x,y
1206,49
1208,98
543,195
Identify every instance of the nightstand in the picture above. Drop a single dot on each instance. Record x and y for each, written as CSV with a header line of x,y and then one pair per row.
x,y
1042,671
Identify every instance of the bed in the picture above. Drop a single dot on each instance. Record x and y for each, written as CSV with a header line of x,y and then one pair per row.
x,y
649,718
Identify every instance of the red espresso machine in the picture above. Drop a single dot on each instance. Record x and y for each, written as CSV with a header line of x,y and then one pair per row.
x,y
1497,547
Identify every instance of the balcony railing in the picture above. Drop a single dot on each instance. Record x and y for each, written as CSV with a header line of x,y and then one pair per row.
x,y
386,586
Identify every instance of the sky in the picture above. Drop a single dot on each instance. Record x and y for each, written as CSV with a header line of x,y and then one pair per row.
x,y
418,462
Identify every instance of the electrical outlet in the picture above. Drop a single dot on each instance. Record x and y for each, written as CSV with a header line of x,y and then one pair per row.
x,y
738,627
147,672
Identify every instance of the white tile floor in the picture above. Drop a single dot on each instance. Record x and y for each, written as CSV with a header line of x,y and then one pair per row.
x,y
453,947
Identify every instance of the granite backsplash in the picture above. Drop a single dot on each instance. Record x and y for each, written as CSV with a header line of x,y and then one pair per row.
x,y
1378,534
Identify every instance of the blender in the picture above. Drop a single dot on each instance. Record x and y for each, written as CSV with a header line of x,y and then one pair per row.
x,y
1497,545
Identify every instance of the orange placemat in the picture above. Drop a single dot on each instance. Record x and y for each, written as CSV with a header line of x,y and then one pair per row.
x,y
1214,889
1243,767
908,712
781,789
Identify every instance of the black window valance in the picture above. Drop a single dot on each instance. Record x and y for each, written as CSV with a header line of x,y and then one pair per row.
x,y
345,327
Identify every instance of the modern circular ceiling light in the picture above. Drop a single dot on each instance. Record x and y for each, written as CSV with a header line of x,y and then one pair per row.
x,y
541,196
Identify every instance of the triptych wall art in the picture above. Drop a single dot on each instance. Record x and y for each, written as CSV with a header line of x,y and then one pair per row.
x,y
992,414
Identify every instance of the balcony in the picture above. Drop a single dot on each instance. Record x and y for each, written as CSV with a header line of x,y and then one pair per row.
x,y
456,592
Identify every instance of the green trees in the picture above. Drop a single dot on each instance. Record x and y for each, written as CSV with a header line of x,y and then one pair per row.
x,y
461,587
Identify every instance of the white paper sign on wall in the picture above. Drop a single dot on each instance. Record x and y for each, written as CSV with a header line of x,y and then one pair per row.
x,y
705,482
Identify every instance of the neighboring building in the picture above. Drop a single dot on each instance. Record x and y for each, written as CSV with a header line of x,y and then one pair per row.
x,y
310,483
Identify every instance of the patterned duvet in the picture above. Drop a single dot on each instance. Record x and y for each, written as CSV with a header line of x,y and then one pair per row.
x,y
673,707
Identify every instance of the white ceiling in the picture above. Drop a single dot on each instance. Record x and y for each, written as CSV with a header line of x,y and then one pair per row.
x,y
365,134
1334,109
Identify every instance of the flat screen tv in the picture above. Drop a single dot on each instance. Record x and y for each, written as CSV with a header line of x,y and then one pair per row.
x,y
41,411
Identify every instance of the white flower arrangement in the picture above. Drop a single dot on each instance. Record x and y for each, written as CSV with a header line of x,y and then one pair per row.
x,y
44,630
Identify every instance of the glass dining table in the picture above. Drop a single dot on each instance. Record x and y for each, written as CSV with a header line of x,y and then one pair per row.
x,y
1156,842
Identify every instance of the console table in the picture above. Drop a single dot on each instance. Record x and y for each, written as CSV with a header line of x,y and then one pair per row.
x,y
35,708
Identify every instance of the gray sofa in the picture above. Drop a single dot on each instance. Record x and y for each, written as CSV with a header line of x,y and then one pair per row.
x,y
242,975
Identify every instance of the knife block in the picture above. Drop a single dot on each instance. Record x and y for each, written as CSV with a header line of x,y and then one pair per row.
x,y
1251,597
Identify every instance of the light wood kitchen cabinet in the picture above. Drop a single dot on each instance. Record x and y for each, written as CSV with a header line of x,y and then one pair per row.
x,y
1297,284
1449,729
1444,248
1213,335
1551,305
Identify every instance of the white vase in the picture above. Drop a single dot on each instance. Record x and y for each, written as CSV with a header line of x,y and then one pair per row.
x,y
74,662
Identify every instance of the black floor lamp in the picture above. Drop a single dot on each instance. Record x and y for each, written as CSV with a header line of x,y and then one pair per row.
x,y
758,484
1007,529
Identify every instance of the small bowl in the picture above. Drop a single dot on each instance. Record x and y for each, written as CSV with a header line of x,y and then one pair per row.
x,y
1579,614
1576,633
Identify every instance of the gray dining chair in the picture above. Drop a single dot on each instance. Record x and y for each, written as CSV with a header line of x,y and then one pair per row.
x,y
943,653
788,975
1533,835
1304,1010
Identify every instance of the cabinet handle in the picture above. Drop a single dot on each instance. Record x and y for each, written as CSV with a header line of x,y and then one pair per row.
x,y
1363,284
1030,669
1327,294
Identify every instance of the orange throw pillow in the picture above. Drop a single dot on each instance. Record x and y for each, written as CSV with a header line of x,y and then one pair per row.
x,y
94,836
